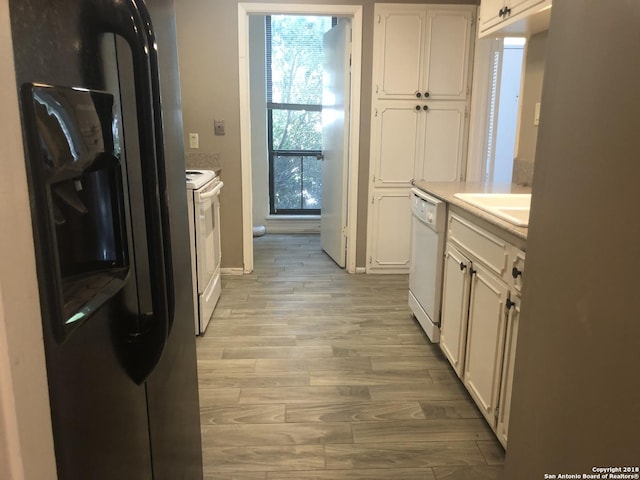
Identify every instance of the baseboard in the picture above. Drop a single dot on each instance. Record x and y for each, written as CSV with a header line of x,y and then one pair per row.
x,y
292,224
232,271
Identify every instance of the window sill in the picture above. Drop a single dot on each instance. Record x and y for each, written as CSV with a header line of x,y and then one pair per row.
x,y
294,218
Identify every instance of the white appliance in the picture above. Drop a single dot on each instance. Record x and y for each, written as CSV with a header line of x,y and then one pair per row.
x,y
427,258
203,196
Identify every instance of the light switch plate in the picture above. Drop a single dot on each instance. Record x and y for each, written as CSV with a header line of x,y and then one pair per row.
x,y
218,127
194,140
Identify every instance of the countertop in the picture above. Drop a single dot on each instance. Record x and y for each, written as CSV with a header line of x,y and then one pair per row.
x,y
446,190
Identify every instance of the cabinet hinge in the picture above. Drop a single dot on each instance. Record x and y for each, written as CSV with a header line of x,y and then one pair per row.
x,y
374,179
473,20
344,231
466,112
496,413
379,19
372,199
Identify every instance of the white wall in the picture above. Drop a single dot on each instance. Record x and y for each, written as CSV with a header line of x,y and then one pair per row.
x,y
26,441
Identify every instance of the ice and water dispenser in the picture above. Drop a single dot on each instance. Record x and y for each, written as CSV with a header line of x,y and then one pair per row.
x,y
77,197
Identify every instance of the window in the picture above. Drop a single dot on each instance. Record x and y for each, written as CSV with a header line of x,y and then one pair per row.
x,y
504,92
294,112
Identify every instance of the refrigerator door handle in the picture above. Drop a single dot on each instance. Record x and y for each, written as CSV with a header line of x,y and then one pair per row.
x,y
142,347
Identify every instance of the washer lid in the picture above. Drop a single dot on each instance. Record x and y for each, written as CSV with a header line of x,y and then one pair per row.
x,y
198,178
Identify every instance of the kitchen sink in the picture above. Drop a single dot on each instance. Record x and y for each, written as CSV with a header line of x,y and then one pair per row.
x,y
511,207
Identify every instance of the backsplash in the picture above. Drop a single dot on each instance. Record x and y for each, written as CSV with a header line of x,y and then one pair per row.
x,y
522,171
202,161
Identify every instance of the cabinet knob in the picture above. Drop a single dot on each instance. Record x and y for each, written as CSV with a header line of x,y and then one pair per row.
x,y
418,95
515,273
472,271
425,107
462,266
418,108
507,11
426,94
509,304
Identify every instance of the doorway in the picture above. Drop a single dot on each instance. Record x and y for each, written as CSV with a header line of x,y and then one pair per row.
x,y
496,105
247,14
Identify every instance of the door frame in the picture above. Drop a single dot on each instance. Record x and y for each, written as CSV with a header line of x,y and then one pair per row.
x,y
354,12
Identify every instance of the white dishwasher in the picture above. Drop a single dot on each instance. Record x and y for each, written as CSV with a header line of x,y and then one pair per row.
x,y
427,256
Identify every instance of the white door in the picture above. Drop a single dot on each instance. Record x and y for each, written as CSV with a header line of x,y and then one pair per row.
x,y
335,139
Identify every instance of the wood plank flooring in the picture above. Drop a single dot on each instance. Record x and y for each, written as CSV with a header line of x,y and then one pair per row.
x,y
307,372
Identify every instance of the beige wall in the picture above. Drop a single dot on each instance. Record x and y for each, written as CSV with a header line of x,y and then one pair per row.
x,y
576,392
26,441
208,49
531,94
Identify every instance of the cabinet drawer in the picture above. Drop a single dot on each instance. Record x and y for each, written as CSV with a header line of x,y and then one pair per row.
x,y
492,251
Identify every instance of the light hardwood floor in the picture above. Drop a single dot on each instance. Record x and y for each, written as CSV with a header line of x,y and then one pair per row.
x,y
307,372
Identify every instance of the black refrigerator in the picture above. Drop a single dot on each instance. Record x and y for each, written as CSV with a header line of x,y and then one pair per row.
x,y
102,128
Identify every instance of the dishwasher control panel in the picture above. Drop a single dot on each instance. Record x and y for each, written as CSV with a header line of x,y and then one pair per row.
x,y
428,209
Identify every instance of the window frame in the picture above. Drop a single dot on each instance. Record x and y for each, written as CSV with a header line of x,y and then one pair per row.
x,y
273,153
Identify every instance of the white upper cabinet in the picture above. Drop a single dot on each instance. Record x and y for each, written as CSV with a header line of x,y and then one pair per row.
x,y
396,142
422,51
447,52
417,140
399,51
444,138
513,17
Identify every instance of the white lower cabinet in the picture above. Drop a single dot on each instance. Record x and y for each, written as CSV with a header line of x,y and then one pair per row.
x,y
513,322
390,220
455,307
485,340
480,315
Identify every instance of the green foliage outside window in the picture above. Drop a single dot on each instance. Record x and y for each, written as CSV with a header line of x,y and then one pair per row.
x,y
294,97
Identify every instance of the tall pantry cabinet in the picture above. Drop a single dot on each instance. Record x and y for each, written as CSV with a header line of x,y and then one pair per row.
x,y
421,90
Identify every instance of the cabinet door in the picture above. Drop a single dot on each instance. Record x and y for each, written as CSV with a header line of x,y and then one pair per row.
x,y
513,322
523,17
485,340
398,45
519,6
447,53
490,13
389,229
455,304
396,134
444,144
